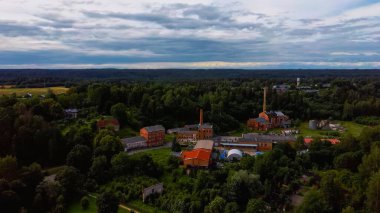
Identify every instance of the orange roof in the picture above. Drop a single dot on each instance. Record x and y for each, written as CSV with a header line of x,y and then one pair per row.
x,y
106,122
331,140
202,154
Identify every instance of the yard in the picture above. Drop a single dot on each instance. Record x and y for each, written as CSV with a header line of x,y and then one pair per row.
x,y
33,91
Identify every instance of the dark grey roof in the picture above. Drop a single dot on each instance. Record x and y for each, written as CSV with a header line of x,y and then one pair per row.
x,y
279,113
71,110
154,128
261,120
133,140
237,144
266,138
206,125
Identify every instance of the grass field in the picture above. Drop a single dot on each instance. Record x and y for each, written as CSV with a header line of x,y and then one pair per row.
x,y
77,208
354,128
33,91
351,127
159,156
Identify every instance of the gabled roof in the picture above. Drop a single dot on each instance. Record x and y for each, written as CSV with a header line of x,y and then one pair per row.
x,y
261,120
71,110
133,139
279,113
154,128
254,137
201,154
206,126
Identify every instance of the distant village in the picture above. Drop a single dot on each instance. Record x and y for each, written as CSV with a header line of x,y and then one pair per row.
x,y
202,148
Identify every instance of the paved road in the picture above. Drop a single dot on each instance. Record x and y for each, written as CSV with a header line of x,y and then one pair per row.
x,y
120,205
167,145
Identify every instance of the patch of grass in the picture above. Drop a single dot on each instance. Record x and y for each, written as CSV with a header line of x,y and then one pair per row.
x,y
143,208
77,208
354,128
33,91
305,131
169,137
92,208
160,156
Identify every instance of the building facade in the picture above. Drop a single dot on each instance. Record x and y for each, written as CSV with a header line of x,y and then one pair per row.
x,y
154,135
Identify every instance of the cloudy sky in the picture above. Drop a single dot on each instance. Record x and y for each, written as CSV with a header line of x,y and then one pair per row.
x,y
190,34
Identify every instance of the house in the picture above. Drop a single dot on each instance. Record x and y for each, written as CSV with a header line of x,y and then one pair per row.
x,y
71,113
281,88
200,156
134,143
197,158
268,119
194,132
108,122
154,135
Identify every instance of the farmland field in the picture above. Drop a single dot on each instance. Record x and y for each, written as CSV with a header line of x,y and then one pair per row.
x,y
33,91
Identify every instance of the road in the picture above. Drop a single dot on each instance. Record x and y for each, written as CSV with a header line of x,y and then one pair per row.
x,y
167,145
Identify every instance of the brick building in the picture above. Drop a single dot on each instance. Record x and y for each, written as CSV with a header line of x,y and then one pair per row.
x,y
104,123
268,119
154,135
195,132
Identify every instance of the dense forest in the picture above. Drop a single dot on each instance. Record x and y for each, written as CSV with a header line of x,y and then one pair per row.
x,y
34,136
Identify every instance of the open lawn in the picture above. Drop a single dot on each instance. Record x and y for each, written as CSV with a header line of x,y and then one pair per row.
x,y
351,127
354,128
305,131
159,156
77,208
33,91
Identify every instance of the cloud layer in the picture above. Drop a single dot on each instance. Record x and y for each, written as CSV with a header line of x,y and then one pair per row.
x,y
196,34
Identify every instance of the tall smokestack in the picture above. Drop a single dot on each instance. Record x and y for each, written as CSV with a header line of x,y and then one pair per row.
x,y
201,117
265,99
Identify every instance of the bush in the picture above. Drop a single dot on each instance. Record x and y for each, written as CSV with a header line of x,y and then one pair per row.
x,y
85,202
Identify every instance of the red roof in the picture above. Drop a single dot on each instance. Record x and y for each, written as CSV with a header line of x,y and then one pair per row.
x,y
331,140
103,123
201,154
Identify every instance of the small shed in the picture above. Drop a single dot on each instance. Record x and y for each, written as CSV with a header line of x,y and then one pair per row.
x,y
234,154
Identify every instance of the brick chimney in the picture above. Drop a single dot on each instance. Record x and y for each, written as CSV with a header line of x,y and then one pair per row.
x,y
201,117
265,99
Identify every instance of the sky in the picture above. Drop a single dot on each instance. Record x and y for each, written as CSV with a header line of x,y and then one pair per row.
x,y
248,34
